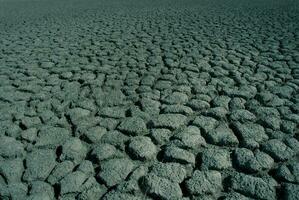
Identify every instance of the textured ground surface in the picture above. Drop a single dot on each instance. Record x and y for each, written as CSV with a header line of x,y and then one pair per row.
x,y
149,99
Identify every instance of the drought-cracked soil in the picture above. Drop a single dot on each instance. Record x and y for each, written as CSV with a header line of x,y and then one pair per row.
x,y
139,100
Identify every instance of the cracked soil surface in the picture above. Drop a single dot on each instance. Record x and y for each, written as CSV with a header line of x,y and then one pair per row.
x,y
140,100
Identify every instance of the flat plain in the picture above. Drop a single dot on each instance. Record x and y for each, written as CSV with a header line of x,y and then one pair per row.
x,y
140,100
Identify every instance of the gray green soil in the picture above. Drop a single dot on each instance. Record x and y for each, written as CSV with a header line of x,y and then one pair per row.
x,y
137,99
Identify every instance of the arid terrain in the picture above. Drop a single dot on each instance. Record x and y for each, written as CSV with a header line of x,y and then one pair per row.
x,y
148,99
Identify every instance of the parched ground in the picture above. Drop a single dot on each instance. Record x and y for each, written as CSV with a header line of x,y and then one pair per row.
x,y
140,100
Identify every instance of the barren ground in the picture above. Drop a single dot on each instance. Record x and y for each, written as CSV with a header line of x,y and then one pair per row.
x,y
136,99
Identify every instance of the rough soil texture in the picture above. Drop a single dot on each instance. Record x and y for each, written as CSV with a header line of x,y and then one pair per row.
x,y
136,99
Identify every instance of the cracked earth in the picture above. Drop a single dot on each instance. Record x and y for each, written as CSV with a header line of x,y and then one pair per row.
x,y
149,100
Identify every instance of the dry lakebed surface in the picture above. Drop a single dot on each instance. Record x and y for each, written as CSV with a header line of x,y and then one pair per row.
x,y
149,99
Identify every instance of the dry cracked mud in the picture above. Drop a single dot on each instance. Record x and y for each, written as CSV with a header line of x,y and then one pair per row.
x,y
140,100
